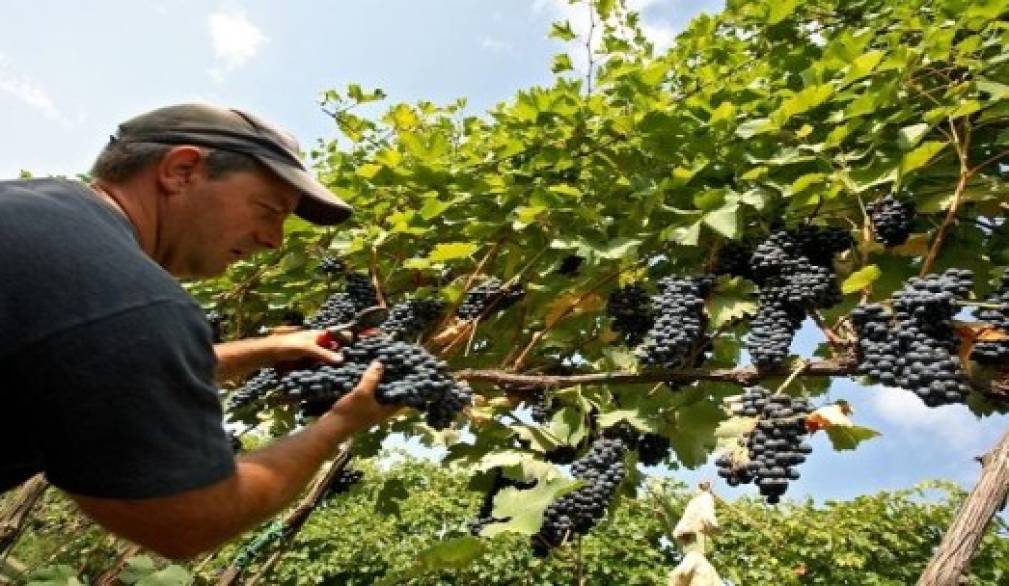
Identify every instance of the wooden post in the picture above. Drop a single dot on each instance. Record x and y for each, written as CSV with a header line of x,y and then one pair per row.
x,y
293,522
13,518
952,559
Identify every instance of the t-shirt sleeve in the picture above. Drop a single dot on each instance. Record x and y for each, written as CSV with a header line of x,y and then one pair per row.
x,y
129,408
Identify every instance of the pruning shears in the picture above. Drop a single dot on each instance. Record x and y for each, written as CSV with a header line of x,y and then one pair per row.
x,y
340,335
346,333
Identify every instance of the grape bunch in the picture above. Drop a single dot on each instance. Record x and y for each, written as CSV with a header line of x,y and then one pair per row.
x,y
563,454
794,270
630,307
602,470
411,318
652,449
891,220
774,448
916,347
343,481
361,291
570,265
412,377
255,389
994,352
677,336
491,294
486,514
734,260
330,265
540,405
337,309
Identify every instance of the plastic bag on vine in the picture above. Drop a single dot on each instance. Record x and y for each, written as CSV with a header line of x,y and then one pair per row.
x,y
694,570
698,518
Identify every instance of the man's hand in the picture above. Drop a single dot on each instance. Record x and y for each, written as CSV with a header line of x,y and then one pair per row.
x,y
301,345
359,407
238,359
266,481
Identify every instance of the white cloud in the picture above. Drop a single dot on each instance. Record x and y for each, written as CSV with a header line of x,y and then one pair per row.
x,y
953,423
235,39
26,90
497,46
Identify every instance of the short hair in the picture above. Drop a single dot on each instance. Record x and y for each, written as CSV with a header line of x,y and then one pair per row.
x,y
120,161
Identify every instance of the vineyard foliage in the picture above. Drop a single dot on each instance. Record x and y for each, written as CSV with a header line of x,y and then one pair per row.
x,y
772,114
884,538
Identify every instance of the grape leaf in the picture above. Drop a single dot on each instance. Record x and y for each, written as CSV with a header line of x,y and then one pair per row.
x,y
848,438
524,508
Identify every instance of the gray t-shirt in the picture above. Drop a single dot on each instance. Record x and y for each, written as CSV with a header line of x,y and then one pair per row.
x,y
107,363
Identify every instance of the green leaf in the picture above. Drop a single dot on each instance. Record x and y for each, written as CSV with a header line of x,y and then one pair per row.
x,y
752,128
725,111
920,156
562,62
524,508
779,10
136,568
617,248
803,101
910,136
734,427
724,220
997,91
170,576
686,235
863,65
453,553
848,438
368,171
564,189
433,207
733,299
604,8
861,279
562,31
806,181
452,250
60,575
393,491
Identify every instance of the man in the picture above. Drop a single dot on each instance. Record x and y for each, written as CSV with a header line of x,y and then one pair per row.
x,y
108,363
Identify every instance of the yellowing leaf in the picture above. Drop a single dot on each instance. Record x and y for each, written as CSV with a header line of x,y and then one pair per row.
x,y
861,279
451,251
829,416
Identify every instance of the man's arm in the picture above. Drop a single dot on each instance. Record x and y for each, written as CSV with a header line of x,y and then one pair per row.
x,y
239,358
265,482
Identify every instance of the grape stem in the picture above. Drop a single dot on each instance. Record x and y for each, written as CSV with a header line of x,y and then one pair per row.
x,y
791,378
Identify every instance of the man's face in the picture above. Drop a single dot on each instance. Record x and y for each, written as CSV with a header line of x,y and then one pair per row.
x,y
216,222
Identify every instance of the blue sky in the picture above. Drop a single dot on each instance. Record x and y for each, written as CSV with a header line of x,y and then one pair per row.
x,y
71,71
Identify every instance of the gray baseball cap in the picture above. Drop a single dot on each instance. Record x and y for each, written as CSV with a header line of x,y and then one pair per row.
x,y
234,130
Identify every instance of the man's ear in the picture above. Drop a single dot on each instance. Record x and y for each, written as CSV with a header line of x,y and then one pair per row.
x,y
177,168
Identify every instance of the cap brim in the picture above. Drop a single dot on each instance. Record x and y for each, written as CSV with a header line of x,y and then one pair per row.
x,y
318,204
